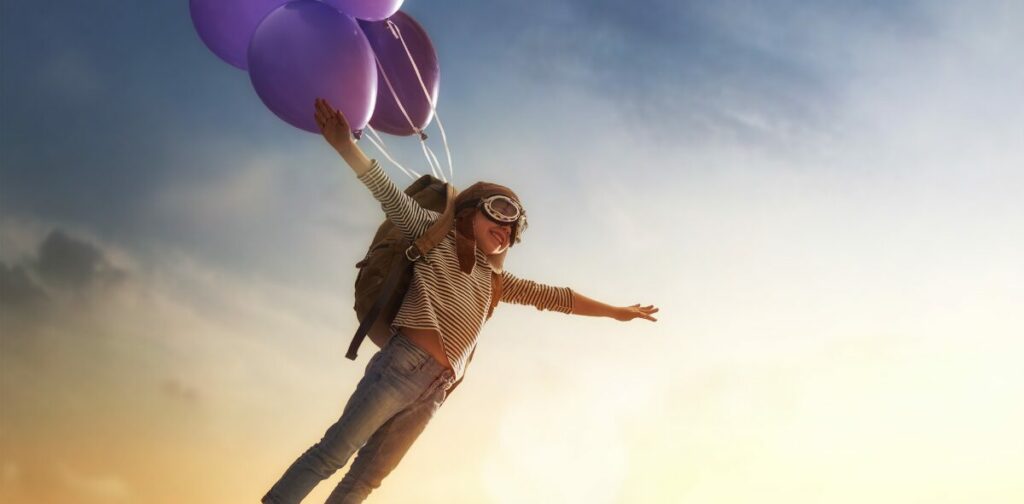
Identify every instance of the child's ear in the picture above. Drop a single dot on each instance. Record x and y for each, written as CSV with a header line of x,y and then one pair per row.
x,y
465,239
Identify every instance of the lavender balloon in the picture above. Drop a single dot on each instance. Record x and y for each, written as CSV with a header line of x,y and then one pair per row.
x,y
370,10
397,69
306,49
226,26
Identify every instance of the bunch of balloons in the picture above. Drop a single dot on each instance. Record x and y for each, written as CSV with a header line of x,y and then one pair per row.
x,y
374,63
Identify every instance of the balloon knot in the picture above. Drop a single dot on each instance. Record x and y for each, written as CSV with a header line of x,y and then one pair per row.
x,y
423,136
357,134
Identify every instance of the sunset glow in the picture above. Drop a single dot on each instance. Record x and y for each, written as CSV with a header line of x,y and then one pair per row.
x,y
823,200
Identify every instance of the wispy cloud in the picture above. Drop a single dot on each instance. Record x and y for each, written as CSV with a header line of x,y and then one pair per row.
x,y
823,199
94,488
178,352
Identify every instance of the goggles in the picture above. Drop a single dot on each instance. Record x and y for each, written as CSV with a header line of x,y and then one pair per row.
x,y
504,210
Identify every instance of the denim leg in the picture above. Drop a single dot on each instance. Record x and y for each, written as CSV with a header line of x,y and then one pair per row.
x,y
376,399
385,449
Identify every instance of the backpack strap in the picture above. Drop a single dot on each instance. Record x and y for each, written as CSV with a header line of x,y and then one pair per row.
x,y
437,231
428,240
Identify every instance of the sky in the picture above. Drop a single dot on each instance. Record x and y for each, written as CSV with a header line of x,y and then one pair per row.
x,y
823,199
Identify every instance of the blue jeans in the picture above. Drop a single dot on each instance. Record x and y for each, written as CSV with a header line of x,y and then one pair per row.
x,y
402,388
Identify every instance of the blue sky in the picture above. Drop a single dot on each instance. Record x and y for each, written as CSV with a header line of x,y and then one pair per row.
x,y
823,198
141,101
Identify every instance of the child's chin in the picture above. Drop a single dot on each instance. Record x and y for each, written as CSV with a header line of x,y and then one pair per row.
x,y
490,248
495,251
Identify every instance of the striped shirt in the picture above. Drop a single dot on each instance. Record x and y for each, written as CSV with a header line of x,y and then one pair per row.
x,y
443,298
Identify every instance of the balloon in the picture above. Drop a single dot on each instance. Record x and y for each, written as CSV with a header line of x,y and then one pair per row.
x,y
306,49
226,26
387,117
370,10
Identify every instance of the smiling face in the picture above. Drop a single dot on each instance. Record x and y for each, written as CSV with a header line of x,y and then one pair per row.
x,y
491,238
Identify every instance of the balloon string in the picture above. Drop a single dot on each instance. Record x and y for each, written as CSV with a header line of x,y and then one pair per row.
x,y
391,88
444,137
380,147
435,166
435,170
438,163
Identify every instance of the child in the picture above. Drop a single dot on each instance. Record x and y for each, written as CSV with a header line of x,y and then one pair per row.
x,y
434,332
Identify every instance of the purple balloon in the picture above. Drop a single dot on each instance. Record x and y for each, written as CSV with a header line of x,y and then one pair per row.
x,y
226,26
397,69
306,49
370,10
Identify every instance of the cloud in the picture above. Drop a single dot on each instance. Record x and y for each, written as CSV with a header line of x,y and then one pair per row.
x,y
696,67
179,391
103,488
57,275
67,262
17,289
763,257
534,458
34,480
134,359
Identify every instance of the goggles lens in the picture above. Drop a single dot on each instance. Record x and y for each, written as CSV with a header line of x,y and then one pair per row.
x,y
501,208
504,210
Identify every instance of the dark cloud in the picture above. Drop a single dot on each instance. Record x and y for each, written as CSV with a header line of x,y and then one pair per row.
x,y
18,289
43,296
62,264
70,263
23,304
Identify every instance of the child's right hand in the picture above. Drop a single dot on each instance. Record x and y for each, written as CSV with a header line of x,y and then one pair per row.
x,y
333,126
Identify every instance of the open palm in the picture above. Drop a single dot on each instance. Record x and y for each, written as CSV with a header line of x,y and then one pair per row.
x,y
333,125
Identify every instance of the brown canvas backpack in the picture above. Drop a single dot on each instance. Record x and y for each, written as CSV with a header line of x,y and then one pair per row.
x,y
386,270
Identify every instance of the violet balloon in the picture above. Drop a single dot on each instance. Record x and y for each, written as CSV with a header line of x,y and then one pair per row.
x,y
369,10
226,26
307,49
397,68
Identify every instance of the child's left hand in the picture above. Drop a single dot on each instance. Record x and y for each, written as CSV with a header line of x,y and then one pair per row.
x,y
627,313
333,125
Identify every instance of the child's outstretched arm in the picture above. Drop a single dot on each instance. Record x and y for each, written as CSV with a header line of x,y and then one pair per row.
x,y
566,300
411,218
582,305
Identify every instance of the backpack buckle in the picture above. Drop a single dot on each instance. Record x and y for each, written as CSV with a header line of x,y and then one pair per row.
x,y
413,250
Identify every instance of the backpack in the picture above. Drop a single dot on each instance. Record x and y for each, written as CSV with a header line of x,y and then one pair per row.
x,y
386,270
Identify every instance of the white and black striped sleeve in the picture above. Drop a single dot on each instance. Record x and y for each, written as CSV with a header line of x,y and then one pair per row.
x,y
528,292
407,215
